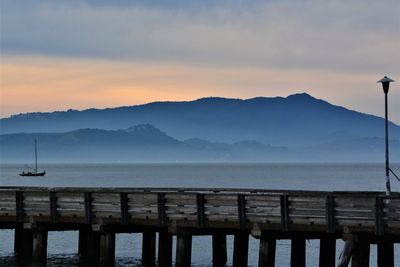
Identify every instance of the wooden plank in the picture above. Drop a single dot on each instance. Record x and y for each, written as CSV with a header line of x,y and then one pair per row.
x,y
355,203
132,210
218,210
143,198
106,214
182,217
264,210
76,206
70,213
150,216
8,205
355,214
222,218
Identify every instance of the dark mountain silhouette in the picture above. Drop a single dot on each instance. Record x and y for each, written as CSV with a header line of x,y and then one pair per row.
x,y
145,143
297,120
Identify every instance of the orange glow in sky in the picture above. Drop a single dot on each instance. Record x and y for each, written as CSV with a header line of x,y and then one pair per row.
x,y
30,84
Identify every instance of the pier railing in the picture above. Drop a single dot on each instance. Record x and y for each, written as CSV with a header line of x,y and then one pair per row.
x,y
256,211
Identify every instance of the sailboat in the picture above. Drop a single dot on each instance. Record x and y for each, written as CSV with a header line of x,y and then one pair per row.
x,y
35,170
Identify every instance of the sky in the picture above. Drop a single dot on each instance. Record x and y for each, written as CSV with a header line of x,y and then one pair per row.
x,y
77,54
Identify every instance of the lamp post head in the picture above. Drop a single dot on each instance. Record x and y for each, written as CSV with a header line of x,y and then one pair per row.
x,y
385,83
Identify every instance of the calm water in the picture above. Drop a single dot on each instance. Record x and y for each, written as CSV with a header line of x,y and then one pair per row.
x,y
62,247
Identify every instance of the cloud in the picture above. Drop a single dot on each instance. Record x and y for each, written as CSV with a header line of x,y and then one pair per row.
x,y
355,36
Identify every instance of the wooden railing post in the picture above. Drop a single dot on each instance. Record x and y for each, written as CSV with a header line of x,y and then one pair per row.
x,y
88,208
19,202
53,206
330,214
124,208
379,218
200,210
161,209
284,212
242,211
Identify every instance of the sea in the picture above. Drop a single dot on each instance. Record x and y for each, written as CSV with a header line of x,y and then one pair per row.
x,y
62,246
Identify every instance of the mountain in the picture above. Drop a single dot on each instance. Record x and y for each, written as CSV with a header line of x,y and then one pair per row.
x,y
295,121
146,143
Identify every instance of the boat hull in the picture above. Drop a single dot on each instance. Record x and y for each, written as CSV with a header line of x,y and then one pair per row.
x,y
32,174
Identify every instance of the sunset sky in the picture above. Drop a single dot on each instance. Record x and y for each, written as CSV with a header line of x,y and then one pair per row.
x,y
59,55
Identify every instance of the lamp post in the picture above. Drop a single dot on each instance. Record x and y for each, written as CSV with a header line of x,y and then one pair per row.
x,y
385,81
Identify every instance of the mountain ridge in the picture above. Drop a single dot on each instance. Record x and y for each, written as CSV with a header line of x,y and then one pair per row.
x,y
296,120
131,145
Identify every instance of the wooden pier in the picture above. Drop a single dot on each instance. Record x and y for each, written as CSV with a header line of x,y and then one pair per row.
x,y
359,218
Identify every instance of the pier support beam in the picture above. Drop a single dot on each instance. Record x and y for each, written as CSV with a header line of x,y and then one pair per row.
x,y
219,249
148,247
298,252
107,249
240,249
39,246
267,251
327,251
164,248
183,250
385,254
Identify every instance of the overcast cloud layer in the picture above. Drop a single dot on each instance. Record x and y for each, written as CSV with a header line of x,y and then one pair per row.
x,y
357,36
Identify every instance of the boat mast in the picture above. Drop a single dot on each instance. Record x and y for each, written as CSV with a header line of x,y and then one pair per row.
x,y
35,156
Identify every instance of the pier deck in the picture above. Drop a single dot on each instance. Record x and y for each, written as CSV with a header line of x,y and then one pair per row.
x,y
361,218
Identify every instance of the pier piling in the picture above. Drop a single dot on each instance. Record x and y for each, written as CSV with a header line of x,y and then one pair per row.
x,y
164,248
240,249
327,251
267,251
106,249
219,253
385,253
39,245
298,252
148,247
183,250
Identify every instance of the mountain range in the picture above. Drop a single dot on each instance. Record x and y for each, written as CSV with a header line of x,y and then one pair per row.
x,y
296,128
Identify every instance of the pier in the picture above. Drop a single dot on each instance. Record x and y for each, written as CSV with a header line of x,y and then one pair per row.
x,y
359,218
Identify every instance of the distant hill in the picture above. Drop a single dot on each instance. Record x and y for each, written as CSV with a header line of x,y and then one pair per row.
x,y
295,121
145,143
